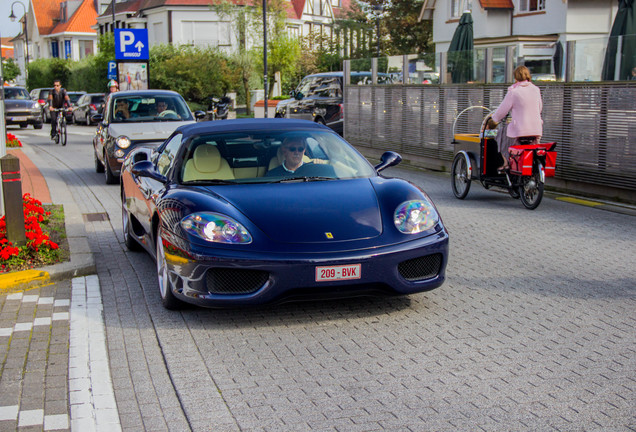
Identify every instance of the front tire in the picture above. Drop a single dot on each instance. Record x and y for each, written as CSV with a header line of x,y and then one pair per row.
x,y
460,179
168,300
63,133
37,126
531,191
129,239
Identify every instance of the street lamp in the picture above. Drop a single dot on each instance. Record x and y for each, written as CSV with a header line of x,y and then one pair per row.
x,y
377,11
12,17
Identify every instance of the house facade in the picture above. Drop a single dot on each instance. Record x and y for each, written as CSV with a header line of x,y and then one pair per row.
x,y
57,29
198,23
534,29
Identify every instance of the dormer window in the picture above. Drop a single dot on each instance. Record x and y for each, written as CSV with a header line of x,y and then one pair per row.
x,y
531,5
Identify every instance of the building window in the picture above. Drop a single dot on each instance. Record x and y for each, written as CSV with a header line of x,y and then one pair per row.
x,y
85,48
335,3
531,5
55,49
459,6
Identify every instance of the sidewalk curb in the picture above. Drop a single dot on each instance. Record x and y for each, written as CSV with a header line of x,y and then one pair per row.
x,y
81,263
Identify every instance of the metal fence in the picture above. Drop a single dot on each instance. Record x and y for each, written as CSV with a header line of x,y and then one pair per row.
x,y
594,124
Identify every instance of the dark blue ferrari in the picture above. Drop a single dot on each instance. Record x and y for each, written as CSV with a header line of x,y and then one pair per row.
x,y
246,212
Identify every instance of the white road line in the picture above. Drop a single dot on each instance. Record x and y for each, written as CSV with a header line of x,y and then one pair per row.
x,y
92,398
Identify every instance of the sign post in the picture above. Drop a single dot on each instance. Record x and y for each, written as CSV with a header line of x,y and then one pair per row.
x,y
131,55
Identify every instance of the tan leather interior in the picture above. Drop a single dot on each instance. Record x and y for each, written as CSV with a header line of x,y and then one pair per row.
x,y
207,164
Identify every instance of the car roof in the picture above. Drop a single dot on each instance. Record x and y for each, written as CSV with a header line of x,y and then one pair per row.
x,y
247,125
146,93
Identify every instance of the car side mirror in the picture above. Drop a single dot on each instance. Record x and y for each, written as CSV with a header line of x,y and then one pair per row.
x,y
146,168
96,118
199,114
299,95
388,159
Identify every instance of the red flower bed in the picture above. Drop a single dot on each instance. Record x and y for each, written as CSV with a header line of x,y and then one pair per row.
x,y
13,141
38,241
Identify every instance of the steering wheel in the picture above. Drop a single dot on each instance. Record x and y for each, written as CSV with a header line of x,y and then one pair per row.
x,y
168,113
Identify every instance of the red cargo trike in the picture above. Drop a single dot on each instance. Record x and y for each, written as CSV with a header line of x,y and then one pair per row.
x,y
477,157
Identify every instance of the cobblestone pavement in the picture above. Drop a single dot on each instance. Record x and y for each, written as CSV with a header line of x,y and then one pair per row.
x,y
535,329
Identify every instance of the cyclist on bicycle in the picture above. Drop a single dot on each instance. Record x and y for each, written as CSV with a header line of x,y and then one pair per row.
x,y
58,98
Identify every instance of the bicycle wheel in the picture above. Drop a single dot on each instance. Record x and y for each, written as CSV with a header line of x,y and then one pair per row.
x,y
63,132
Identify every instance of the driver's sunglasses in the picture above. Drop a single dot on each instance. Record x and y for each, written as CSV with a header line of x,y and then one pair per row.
x,y
57,85
296,149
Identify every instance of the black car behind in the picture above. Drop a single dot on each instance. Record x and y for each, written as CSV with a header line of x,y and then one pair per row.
x,y
87,106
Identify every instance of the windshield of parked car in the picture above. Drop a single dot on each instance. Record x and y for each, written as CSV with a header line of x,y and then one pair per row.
x,y
16,93
74,97
151,108
262,157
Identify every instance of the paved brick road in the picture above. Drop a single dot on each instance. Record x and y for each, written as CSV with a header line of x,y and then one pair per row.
x,y
535,329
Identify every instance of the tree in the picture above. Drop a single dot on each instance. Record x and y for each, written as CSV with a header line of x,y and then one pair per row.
x,y
407,35
11,70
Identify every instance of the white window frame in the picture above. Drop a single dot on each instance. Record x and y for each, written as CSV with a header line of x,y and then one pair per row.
x,y
526,6
457,7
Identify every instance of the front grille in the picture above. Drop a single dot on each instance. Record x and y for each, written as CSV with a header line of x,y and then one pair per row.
x,y
235,281
421,268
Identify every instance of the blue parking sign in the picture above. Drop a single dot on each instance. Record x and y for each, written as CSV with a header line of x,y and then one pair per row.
x,y
112,70
131,44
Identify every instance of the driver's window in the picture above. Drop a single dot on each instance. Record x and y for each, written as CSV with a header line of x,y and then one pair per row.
x,y
168,154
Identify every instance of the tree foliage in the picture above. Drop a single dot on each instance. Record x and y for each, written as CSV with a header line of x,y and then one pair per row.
x,y
10,69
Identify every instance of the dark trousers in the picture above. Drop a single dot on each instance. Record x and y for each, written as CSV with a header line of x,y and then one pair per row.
x,y
54,115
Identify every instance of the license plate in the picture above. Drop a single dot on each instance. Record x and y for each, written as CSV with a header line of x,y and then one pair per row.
x,y
19,119
336,273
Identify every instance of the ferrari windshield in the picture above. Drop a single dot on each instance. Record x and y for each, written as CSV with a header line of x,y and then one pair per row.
x,y
132,109
270,157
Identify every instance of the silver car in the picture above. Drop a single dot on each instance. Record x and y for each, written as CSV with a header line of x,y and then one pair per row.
x,y
20,109
136,118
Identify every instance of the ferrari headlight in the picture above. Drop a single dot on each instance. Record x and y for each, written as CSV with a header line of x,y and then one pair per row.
x,y
415,216
123,142
215,227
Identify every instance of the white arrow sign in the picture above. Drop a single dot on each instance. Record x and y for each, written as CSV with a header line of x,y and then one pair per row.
x,y
139,45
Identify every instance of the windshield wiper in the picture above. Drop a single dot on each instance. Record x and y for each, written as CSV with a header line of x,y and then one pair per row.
x,y
303,179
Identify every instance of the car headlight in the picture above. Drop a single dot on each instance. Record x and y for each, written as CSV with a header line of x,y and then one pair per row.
x,y
122,142
215,227
415,216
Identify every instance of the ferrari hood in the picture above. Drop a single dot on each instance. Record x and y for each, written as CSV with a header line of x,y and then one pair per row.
x,y
310,212
146,131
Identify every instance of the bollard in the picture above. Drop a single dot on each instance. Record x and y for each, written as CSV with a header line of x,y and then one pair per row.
x,y
12,196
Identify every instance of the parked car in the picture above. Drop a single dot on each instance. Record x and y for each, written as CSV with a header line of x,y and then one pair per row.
x,y
319,98
40,95
227,230
131,119
20,109
87,106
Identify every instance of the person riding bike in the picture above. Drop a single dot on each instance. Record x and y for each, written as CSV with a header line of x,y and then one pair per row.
x,y
58,98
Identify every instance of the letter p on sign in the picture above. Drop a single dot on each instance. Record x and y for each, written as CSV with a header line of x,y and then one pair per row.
x,y
126,38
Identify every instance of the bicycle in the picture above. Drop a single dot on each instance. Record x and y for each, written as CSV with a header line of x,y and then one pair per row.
x,y
60,125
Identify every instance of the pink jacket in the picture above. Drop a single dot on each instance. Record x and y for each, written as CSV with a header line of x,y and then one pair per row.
x,y
523,101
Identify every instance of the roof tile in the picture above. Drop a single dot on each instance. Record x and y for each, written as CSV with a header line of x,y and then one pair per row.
x,y
84,17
